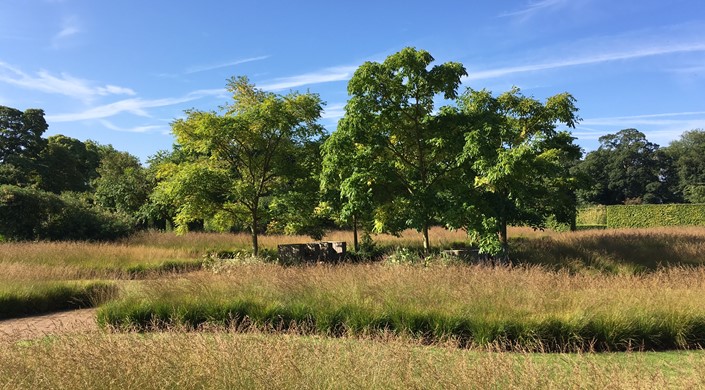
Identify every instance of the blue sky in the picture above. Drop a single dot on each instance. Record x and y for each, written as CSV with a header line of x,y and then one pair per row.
x,y
119,72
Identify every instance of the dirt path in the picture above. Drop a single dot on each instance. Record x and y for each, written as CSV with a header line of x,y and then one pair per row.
x,y
68,322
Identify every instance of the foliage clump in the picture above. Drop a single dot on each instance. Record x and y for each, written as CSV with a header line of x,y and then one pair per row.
x,y
30,214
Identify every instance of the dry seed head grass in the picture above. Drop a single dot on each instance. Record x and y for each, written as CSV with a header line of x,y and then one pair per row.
x,y
223,241
222,360
493,292
74,260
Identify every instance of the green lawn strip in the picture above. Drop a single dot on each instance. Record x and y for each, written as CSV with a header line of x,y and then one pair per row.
x,y
30,298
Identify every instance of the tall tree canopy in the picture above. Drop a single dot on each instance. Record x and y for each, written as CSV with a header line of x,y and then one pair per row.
x,y
519,162
20,143
688,157
244,156
122,184
391,118
67,164
626,168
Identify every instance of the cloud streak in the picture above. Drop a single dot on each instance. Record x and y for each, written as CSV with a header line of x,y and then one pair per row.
x,y
327,75
135,106
533,7
64,84
69,28
661,128
205,68
670,118
333,111
588,60
138,129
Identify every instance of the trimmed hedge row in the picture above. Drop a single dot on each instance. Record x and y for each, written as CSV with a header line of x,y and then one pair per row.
x,y
654,215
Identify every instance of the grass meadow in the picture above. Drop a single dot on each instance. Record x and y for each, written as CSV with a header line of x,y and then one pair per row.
x,y
172,317
217,360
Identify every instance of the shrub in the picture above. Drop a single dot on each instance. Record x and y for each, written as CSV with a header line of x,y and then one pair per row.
x,y
30,214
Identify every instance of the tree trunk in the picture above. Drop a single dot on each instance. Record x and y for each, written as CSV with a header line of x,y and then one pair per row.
x,y
356,244
253,229
503,236
426,243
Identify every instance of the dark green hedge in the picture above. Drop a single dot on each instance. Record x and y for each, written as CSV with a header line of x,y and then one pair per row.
x,y
31,214
653,215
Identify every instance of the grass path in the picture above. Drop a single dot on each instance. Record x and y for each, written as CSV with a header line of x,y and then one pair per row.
x,y
55,324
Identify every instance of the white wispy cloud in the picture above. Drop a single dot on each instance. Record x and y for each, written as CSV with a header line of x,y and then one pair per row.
x,y
63,84
334,111
533,7
663,119
138,129
204,68
327,75
70,26
660,128
594,58
135,106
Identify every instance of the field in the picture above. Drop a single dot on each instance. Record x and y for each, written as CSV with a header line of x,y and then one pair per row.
x,y
553,317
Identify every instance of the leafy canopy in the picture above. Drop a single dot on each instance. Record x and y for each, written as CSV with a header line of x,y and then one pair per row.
x,y
245,156
519,162
391,120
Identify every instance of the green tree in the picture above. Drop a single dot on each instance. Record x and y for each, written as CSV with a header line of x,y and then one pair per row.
x,y
518,162
245,155
687,155
20,144
391,117
626,168
122,184
160,210
295,208
347,181
66,164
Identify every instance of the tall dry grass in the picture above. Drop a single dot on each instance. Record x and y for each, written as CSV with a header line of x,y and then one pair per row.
x,y
85,260
200,242
615,250
221,360
526,307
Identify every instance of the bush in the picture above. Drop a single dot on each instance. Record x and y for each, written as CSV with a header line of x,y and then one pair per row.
x,y
30,214
653,215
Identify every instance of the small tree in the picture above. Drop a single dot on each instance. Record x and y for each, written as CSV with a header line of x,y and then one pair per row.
x,y
391,118
245,155
347,181
519,161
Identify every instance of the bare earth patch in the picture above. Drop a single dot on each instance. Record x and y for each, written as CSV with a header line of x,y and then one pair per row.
x,y
68,322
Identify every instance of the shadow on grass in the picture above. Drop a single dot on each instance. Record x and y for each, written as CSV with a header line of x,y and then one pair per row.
x,y
58,297
632,251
